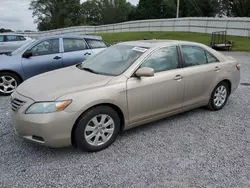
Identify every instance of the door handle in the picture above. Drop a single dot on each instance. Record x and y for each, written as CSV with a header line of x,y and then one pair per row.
x,y
87,53
178,77
57,57
216,68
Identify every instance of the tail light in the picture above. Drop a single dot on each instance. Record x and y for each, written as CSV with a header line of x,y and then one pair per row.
x,y
238,67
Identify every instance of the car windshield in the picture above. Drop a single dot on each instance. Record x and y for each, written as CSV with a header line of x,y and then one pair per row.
x,y
22,48
114,60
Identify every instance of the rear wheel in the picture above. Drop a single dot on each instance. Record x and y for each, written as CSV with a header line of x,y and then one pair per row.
x,y
97,129
219,96
8,83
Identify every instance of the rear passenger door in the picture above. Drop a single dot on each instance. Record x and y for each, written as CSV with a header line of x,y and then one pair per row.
x,y
96,45
200,74
75,50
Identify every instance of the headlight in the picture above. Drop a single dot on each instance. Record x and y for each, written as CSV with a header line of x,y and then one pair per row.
x,y
47,107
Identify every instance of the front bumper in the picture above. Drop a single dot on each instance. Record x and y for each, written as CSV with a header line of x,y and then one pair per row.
x,y
52,130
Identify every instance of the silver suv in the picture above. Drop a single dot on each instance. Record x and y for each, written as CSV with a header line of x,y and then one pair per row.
x,y
10,42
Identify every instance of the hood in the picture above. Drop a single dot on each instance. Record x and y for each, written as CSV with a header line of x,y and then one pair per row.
x,y
51,85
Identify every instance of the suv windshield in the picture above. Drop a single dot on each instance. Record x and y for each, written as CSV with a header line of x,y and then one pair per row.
x,y
22,48
114,60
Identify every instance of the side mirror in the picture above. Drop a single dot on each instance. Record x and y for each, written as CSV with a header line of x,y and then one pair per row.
x,y
144,72
27,54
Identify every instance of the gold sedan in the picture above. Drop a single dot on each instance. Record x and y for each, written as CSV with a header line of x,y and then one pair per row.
x,y
126,85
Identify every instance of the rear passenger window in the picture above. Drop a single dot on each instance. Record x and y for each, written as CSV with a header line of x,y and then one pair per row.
x,y
1,38
96,43
71,45
10,38
194,55
22,38
210,58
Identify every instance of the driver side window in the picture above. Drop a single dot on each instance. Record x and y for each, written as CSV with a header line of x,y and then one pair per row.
x,y
163,59
45,47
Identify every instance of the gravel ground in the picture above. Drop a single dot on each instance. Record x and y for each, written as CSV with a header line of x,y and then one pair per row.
x,y
199,148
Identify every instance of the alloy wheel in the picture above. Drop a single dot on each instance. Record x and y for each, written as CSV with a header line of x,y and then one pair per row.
x,y
7,84
220,96
99,130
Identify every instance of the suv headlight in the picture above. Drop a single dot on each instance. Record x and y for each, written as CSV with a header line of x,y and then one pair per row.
x,y
48,107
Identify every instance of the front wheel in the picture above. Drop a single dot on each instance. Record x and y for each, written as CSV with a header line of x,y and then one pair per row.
x,y
219,96
97,129
8,83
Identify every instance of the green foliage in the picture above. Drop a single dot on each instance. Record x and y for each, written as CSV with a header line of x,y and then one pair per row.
x,y
236,8
54,14
106,11
2,30
150,9
198,8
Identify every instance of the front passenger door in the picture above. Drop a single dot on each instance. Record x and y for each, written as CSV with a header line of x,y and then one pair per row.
x,y
45,57
149,97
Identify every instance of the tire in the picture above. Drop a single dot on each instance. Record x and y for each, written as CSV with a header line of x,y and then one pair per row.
x,y
92,120
8,80
215,104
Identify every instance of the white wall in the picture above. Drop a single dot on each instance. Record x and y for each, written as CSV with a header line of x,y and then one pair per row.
x,y
233,26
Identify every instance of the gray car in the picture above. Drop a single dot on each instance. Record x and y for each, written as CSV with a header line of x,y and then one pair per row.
x,y
45,55
11,41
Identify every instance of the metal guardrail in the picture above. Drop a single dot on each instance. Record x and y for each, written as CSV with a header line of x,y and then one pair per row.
x,y
233,26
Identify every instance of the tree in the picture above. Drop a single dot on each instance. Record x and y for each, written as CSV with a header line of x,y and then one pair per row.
x,y
2,30
106,11
54,14
149,9
91,12
236,8
198,8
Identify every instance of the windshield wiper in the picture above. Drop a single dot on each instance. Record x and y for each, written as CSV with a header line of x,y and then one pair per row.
x,y
89,70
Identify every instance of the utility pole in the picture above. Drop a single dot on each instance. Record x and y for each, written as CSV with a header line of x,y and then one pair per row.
x,y
178,6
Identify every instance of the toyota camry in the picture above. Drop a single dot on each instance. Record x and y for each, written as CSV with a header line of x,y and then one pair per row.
x,y
127,85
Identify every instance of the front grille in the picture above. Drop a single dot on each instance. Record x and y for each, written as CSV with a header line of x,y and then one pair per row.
x,y
16,104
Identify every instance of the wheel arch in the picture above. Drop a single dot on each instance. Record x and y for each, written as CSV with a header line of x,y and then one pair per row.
x,y
113,106
229,83
13,72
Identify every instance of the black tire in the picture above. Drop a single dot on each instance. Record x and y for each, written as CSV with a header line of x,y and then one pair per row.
x,y
211,105
79,133
12,75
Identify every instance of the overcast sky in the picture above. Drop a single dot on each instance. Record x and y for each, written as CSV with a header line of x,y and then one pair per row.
x,y
15,14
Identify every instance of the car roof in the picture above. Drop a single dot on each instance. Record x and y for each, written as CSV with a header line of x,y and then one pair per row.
x,y
13,34
73,36
156,43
